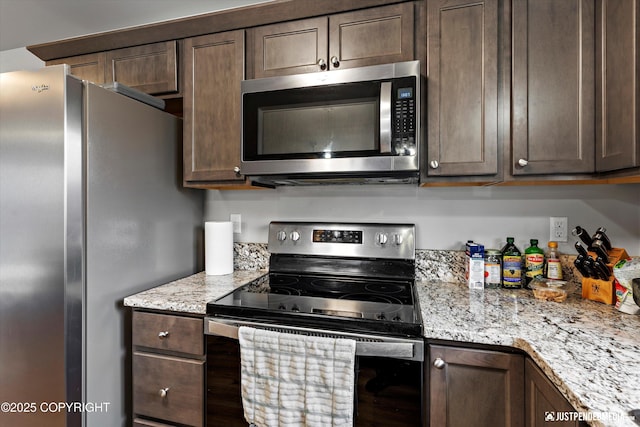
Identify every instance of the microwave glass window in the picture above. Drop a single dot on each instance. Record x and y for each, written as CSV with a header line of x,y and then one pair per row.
x,y
321,128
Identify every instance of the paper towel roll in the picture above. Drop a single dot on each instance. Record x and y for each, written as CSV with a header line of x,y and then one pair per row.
x,y
218,247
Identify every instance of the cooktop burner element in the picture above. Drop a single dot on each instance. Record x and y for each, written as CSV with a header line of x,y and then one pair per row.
x,y
349,277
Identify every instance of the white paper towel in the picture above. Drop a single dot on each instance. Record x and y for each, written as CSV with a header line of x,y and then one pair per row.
x,y
218,247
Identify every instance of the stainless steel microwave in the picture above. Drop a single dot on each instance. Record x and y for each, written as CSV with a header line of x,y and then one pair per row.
x,y
354,125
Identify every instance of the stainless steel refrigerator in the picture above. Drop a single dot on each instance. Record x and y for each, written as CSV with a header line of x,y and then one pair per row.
x,y
91,210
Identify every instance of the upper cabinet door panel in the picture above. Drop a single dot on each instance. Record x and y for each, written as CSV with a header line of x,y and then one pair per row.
x,y
373,36
150,68
214,67
90,67
289,48
462,89
617,139
553,86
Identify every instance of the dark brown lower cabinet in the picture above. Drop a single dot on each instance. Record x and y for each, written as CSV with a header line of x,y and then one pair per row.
x,y
543,402
472,387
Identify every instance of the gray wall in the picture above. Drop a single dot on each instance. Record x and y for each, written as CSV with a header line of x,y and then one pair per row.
x,y
445,217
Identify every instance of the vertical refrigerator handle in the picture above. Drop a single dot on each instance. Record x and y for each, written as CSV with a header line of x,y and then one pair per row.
x,y
385,117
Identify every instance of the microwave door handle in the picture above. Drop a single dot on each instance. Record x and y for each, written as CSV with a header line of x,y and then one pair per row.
x,y
385,117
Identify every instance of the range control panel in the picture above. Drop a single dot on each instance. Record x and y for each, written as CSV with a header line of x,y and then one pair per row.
x,y
366,240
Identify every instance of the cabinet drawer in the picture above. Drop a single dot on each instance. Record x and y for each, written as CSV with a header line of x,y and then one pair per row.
x,y
167,332
139,422
168,388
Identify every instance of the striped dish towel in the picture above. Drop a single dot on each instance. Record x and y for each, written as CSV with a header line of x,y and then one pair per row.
x,y
296,380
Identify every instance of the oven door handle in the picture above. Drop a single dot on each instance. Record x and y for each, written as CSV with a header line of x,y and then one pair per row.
x,y
395,350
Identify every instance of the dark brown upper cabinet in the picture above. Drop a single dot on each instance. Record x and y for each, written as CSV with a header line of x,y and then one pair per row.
x,y
89,67
150,68
617,90
462,88
353,39
553,96
214,68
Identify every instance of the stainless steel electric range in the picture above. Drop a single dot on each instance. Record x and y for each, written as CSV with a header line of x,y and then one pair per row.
x,y
354,280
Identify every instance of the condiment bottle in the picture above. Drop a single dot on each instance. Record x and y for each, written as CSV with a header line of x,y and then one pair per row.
x,y
533,262
492,268
553,267
511,265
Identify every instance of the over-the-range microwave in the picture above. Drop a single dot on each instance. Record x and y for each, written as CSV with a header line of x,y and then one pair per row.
x,y
358,125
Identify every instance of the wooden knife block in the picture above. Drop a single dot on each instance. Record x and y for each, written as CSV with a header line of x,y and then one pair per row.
x,y
603,290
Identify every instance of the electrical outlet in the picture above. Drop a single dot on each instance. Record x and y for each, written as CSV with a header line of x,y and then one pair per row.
x,y
236,219
558,228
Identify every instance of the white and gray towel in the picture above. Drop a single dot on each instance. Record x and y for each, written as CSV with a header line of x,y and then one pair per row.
x,y
296,380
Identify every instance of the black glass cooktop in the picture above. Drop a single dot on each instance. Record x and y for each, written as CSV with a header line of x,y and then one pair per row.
x,y
338,303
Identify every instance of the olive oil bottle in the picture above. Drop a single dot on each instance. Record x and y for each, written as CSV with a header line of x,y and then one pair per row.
x,y
511,265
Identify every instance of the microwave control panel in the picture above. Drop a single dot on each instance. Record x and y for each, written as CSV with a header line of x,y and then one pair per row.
x,y
404,116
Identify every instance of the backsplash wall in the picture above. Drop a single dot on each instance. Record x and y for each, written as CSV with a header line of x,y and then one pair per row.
x,y
445,218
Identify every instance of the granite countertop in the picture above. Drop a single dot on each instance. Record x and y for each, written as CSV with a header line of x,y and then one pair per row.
x,y
191,294
590,351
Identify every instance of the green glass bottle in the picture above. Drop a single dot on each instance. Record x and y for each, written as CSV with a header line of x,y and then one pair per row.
x,y
533,262
511,265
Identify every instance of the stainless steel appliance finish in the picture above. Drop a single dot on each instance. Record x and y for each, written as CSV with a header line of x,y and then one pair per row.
x,y
335,280
90,212
332,278
356,125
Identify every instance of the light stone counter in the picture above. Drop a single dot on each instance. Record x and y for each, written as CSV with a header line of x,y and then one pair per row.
x,y
590,351
191,294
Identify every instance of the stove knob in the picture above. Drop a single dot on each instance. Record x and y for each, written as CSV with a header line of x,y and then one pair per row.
x,y
381,316
397,239
295,309
295,236
397,319
281,236
282,307
382,238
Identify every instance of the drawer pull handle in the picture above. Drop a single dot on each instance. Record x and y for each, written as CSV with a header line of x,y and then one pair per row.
x,y
439,363
163,334
163,392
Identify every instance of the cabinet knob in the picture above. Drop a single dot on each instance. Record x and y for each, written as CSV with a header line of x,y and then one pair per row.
x,y
439,363
236,169
322,64
335,62
163,334
523,162
163,392
434,164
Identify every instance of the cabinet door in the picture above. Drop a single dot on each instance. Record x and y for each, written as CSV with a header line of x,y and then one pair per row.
x,y
553,86
89,67
150,68
471,387
289,48
373,36
543,400
617,139
214,67
462,91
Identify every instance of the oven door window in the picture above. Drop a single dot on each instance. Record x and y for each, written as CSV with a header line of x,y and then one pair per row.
x,y
317,122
